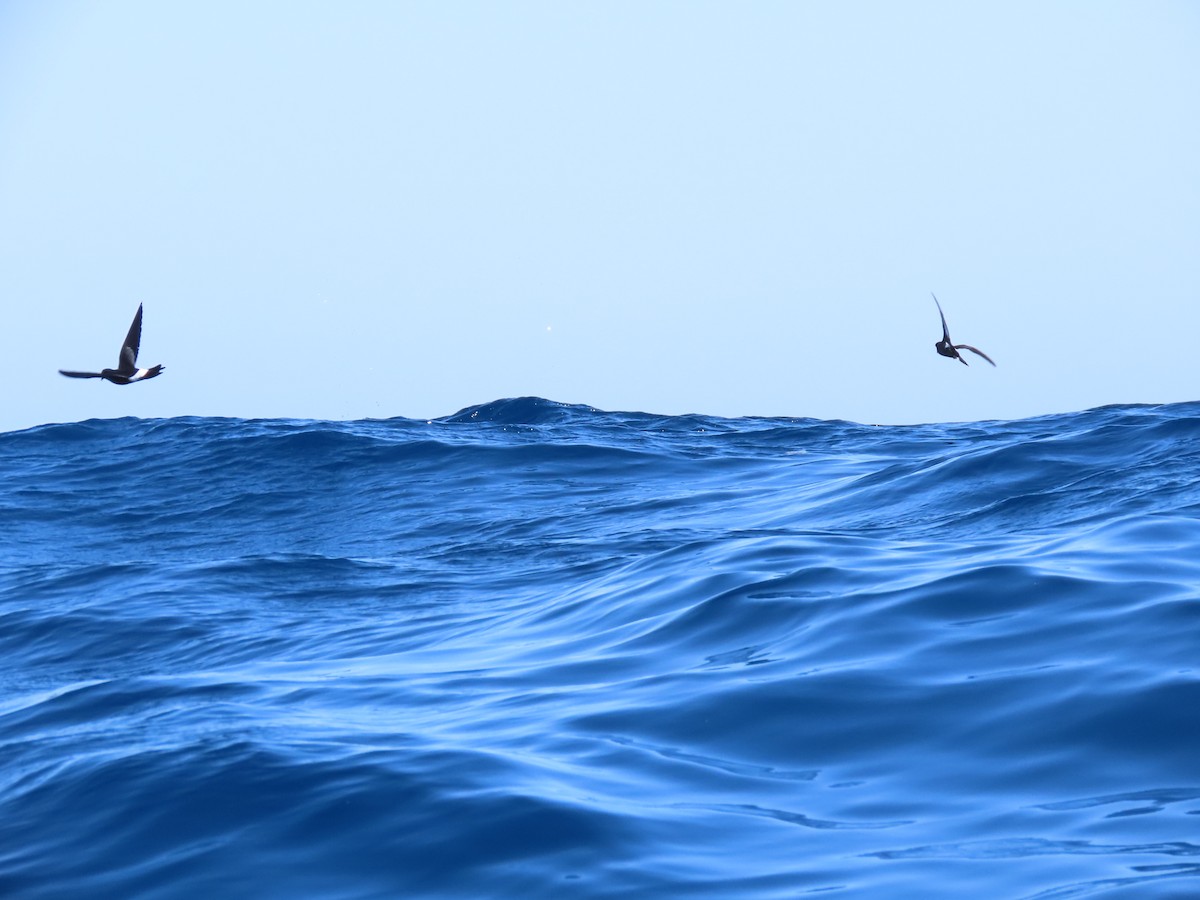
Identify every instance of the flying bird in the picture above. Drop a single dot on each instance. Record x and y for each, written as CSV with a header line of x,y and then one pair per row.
x,y
126,371
945,348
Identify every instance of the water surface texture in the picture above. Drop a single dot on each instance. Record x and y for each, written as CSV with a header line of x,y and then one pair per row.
x,y
541,650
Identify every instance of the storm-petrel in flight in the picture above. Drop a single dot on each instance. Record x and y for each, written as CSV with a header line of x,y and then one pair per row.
x,y
126,371
945,348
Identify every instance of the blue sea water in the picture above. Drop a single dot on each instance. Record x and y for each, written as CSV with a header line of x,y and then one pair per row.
x,y
541,650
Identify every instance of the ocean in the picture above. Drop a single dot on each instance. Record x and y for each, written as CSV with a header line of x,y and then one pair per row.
x,y
535,649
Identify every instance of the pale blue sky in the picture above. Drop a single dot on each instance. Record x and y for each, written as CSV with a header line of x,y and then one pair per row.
x,y
370,209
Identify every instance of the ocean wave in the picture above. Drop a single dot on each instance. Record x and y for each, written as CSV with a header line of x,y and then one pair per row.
x,y
537,649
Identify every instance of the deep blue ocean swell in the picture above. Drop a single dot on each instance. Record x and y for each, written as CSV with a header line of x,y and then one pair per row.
x,y
542,650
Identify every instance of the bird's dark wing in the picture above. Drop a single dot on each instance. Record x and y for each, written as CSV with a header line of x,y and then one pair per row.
x,y
80,374
127,364
945,330
973,350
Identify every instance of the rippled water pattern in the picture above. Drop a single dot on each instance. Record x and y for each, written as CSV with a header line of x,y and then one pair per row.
x,y
539,650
